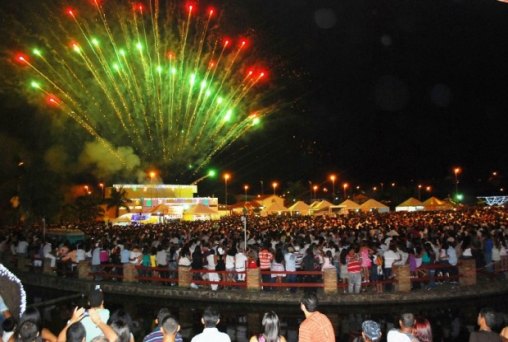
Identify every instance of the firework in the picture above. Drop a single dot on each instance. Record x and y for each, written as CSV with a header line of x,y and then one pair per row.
x,y
155,76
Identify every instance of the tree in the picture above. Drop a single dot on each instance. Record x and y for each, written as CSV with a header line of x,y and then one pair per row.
x,y
88,208
117,200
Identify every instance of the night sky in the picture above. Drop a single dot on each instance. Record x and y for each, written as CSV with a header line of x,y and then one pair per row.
x,y
371,90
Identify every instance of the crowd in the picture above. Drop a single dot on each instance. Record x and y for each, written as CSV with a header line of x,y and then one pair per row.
x,y
361,247
97,324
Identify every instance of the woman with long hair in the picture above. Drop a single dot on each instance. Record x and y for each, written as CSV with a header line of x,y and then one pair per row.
x,y
33,315
271,326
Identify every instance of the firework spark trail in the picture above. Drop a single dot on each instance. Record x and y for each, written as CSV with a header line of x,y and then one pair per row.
x,y
121,80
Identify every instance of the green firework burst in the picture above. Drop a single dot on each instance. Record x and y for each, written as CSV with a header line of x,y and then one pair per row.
x,y
158,77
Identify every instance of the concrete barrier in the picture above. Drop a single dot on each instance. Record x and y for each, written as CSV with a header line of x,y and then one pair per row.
x,y
467,272
253,278
84,270
402,278
330,281
184,276
129,273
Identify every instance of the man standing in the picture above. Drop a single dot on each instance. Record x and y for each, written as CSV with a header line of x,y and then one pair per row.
x,y
486,320
96,301
169,329
290,261
158,334
265,261
240,263
405,333
316,327
210,320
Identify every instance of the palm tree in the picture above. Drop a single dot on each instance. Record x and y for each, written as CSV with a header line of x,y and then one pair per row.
x,y
88,208
117,199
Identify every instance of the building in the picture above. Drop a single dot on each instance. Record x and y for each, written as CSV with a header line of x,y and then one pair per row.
x,y
154,203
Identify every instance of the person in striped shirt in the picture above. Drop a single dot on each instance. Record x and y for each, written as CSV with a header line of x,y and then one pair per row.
x,y
265,260
354,269
316,327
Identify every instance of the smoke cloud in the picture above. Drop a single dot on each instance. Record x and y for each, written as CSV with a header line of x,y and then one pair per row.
x,y
105,163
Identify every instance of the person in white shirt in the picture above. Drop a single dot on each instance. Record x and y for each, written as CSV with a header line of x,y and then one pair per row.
x,y
22,246
46,253
240,262
405,333
210,333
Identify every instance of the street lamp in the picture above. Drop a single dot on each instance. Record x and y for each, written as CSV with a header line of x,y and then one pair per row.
x,y
101,185
345,186
227,176
315,188
274,186
419,192
456,172
333,178
246,187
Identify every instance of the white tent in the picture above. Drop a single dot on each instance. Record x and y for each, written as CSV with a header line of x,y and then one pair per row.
x,y
433,204
411,204
321,208
199,212
300,208
373,205
275,208
349,205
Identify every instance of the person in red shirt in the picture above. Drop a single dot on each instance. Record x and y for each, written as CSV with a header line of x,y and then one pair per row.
x,y
354,269
316,327
265,260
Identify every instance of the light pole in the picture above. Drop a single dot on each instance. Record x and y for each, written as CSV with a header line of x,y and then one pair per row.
x,y
456,172
419,192
227,176
246,188
101,185
315,187
152,175
333,178
274,186
345,186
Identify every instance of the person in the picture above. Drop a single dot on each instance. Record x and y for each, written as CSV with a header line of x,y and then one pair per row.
x,y
240,264
354,269
290,262
157,334
390,257
8,328
75,331
316,327
33,315
121,323
422,330
405,333
210,319
265,257
486,321
169,329
96,301
371,332
4,310
278,266
271,326
27,332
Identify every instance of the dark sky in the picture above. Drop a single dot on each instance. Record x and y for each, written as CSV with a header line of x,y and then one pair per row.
x,y
388,90
376,91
